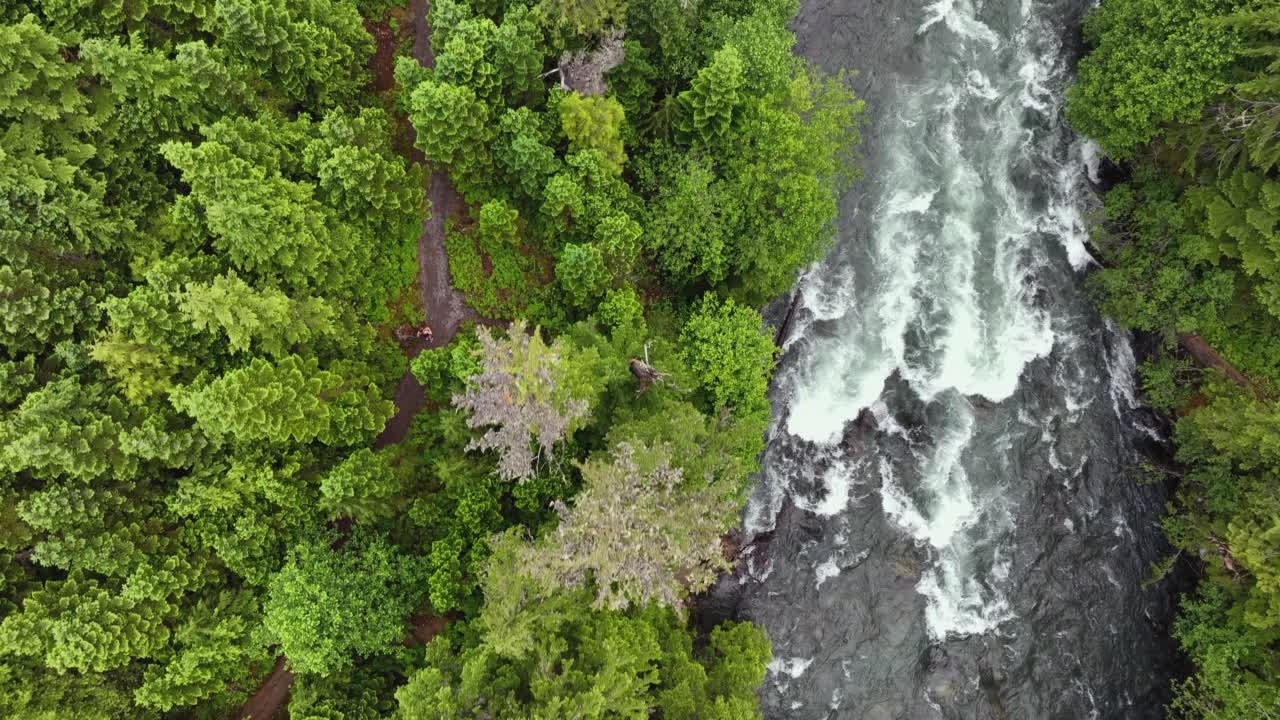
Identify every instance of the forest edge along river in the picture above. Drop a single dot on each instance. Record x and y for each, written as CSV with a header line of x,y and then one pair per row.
x,y
948,523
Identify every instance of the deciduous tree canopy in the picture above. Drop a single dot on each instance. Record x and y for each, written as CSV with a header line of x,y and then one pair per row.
x,y
209,286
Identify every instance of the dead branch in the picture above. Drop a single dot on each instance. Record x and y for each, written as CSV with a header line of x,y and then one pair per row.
x,y
583,71
646,374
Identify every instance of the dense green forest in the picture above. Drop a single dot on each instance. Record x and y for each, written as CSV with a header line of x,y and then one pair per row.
x,y
209,217
1186,94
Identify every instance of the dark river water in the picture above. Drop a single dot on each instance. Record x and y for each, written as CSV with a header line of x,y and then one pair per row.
x,y
949,524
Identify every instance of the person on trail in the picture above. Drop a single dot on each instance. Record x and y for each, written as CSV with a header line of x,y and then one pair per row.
x,y
425,332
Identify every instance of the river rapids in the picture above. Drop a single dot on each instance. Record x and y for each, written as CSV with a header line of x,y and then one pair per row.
x,y
948,524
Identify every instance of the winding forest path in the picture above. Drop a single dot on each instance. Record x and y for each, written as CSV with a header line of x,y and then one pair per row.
x,y
270,695
443,306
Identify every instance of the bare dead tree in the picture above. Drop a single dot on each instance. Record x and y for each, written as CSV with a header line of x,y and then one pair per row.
x,y
647,374
583,71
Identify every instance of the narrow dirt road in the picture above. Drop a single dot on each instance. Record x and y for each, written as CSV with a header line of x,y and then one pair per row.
x,y
445,311
443,306
270,695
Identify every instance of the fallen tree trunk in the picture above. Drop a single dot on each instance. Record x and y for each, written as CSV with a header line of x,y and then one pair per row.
x,y
1209,358
780,336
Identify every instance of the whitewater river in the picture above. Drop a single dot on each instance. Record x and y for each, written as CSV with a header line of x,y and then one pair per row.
x,y
948,524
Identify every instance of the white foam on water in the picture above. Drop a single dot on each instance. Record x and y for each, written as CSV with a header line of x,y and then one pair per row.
x,y
836,480
898,506
1091,156
958,602
1065,220
1036,93
754,570
978,84
1121,528
960,18
828,297
1111,577
837,380
792,667
853,379
1073,378
1122,368
952,506
1054,461
985,323
1086,692
957,238
825,571
833,493
885,421
906,204
1000,568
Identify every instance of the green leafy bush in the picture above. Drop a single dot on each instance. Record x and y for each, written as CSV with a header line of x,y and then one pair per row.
x,y
594,123
327,604
728,348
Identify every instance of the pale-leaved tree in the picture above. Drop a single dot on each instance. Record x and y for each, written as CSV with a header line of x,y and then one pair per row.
x,y
525,395
637,530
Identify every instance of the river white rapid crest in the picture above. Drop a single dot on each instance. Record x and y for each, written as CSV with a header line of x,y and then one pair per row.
x,y
966,208
947,525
